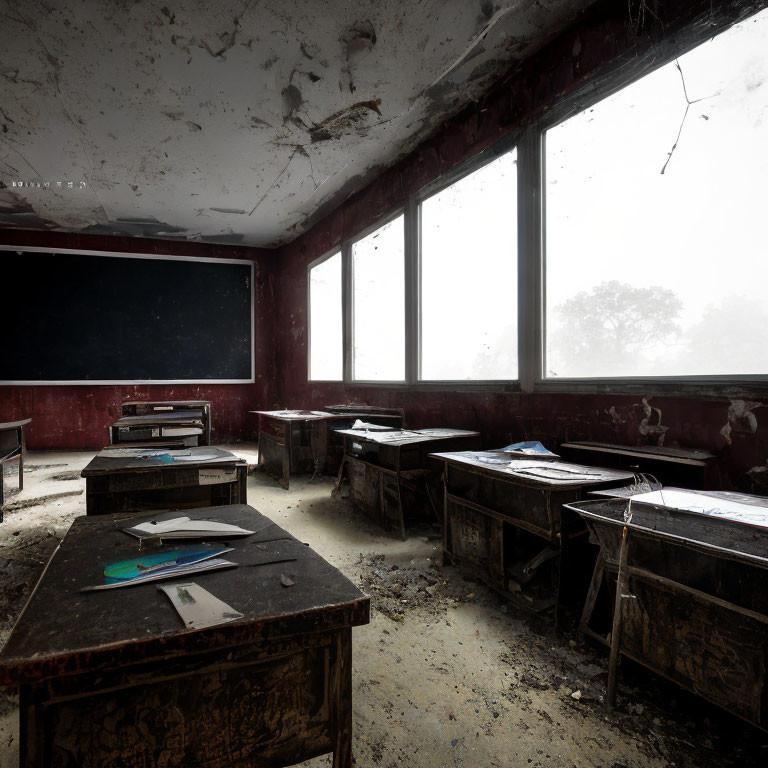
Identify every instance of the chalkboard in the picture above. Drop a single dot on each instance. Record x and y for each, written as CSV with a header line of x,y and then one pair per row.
x,y
103,318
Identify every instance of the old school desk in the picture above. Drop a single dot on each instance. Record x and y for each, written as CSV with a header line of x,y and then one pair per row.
x,y
688,467
503,517
12,449
207,477
292,442
188,421
113,678
695,597
288,443
383,466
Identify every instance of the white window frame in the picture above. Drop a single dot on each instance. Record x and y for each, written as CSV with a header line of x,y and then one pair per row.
x,y
316,263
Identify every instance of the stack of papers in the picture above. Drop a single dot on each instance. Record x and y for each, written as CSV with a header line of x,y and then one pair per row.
x,y
167,564
186,528
359,424
167,456
529,448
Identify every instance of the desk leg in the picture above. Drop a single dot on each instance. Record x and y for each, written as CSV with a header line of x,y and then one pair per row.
x,y
287,449
399,504
340,476
23,444
342,693
594,589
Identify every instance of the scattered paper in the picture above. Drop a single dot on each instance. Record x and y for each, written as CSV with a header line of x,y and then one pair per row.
x,y
367,426
744,511
165,564
197,607
143,453
184,527
529,448
555,471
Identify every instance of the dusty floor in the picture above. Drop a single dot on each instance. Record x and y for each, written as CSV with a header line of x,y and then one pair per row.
x,y
446,674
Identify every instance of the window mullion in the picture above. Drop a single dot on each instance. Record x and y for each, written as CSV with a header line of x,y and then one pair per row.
x,y
412,297
347,309
529,255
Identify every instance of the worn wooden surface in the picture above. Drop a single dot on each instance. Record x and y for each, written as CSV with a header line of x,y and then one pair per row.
x,y
698,614
511,530
125,484
686,467
114,678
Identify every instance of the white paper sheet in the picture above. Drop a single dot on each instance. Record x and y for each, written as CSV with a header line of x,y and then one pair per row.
x,y
706,504
197,607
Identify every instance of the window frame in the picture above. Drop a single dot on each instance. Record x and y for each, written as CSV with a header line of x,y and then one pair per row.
x,y
455,175
348,301
316,263
579,100
530,141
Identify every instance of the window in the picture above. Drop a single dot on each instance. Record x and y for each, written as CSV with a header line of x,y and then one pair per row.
x,y
656,230
378,304
469,276
325,329
643,247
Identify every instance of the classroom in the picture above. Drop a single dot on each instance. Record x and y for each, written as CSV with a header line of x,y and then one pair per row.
x,y
382,384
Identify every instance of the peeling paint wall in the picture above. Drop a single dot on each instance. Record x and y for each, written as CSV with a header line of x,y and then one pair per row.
x,y
606,41
76,417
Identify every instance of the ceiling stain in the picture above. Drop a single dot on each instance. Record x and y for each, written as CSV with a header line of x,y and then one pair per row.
x,y
173,117
340,123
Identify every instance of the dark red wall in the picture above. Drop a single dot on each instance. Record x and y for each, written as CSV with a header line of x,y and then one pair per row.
x,y
603,43
77,416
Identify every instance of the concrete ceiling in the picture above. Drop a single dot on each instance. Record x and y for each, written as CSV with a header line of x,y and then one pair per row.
x,y
233,122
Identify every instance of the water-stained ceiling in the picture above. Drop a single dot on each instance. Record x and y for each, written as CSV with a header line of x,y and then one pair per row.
x,y
233,122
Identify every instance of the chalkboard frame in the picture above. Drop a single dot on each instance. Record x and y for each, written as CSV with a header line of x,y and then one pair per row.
x,y
20,249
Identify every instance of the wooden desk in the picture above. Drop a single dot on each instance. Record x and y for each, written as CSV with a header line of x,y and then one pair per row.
x,y
687,467
331,442
509,526
697,605
288,443
12,450
385,467
292,442
114,678
161,420
213,477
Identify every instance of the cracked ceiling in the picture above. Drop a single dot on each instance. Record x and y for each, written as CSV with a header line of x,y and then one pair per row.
x,y
233,122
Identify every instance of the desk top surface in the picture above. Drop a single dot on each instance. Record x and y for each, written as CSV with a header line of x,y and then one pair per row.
x,y
183,403
401,437
694,456
160,417
295,415
64,631
537,471
14,424
200,455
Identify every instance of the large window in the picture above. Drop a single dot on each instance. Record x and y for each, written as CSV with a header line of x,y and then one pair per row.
x,y
378,304
325,320
656,225
469,276
630,246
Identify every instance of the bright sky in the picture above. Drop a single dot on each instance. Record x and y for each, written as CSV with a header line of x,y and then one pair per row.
x,y
701,228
